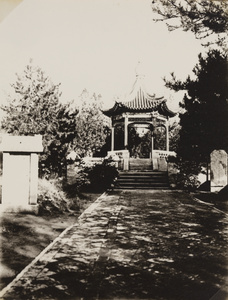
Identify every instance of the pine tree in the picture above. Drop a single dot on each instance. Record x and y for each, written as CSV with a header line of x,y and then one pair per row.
x,y
204,17
35,109
203,122
92,127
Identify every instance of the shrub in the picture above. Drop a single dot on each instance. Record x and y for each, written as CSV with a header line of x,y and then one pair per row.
x,y
52,199
186,176
97,177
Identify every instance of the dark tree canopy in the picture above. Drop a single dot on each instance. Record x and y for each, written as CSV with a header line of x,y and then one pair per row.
x,y
203,17
204,125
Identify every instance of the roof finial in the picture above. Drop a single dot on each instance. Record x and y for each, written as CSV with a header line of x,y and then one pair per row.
x,y
139,70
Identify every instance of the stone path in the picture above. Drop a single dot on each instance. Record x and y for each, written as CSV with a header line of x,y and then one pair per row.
x,y
134,245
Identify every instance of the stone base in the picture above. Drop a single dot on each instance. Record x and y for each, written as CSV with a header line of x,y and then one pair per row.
x,y
19,208
215,189
155,164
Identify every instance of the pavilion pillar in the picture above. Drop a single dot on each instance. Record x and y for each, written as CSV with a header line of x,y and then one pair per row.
x,y
152,139
112,138
167,137
126,132
152,144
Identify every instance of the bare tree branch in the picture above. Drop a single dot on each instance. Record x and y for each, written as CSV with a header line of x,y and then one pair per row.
x,y
202,17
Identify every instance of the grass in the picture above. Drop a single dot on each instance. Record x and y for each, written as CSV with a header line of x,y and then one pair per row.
x,y
24,236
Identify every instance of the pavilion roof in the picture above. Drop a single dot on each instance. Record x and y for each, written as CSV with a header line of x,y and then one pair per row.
x,y
140,101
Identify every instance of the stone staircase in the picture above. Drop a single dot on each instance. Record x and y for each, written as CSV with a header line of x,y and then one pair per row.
x,y
143,180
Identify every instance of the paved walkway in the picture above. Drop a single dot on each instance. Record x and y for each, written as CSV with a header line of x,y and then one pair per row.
x,y
134,245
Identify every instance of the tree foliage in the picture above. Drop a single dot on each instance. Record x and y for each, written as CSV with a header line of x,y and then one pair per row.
x,y
203,17
141,144
92,127
35,109
203,122
174,136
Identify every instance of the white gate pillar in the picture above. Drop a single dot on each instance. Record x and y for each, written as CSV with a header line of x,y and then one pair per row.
x,y
20,172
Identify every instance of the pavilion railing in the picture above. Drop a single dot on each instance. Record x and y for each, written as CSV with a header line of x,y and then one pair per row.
x,y
162,154
122,158
159,159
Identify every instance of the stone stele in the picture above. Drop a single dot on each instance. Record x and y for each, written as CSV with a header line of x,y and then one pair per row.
x,y
218,170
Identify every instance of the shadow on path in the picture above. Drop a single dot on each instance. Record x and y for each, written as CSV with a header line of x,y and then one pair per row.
x,y
135,245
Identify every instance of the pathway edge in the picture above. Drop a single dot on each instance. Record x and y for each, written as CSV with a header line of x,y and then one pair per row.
x,y
19,275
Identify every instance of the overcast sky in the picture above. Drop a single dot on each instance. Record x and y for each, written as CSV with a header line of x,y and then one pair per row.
x,y
94,44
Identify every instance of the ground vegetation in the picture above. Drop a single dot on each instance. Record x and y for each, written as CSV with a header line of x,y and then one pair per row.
x,y
24,235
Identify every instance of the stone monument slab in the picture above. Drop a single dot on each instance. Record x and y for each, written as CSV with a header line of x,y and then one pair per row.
x,y
218,170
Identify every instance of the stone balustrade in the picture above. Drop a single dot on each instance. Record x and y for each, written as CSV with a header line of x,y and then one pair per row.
x,y
121,156
93,160
162,154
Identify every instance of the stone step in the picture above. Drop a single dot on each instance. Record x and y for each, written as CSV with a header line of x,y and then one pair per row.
x,y
140,160
140,164
138,181
143,180
142,188
142,174
149,184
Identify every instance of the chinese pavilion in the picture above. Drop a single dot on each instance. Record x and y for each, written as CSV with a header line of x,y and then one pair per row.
x,y
137,109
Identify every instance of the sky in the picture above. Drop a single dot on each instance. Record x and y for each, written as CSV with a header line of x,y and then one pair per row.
x,y
6,6
94,44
